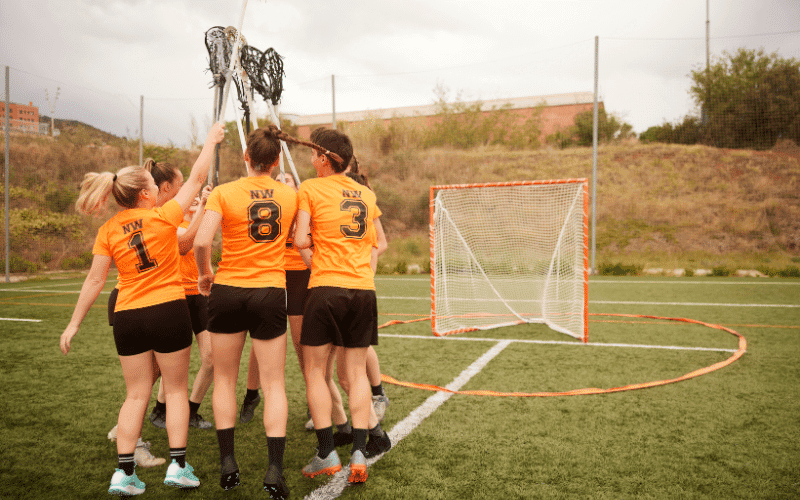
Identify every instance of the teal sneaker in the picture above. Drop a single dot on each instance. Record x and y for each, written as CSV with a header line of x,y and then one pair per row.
x,y
329,465
181,477
124,485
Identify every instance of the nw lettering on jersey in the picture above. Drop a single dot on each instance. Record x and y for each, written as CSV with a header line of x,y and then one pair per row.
x,y
261,194
351,194
132,226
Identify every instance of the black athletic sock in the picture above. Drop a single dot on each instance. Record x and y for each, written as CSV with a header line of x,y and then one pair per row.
x,y
225,438
359,440
376,431
345,427
251,394
160,407
126,463
325,439
179,455
276,446
377,390
193,407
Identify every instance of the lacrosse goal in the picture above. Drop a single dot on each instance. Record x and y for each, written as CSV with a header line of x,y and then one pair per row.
x,y
510,253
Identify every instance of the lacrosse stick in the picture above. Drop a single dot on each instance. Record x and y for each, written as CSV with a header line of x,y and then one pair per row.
x,y
265,72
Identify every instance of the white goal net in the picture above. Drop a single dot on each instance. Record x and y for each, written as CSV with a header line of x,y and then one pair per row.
x,y
510,253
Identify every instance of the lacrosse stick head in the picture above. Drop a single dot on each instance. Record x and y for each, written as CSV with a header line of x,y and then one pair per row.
x,y
265,71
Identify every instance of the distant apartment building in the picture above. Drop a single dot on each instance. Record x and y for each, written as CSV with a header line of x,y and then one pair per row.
x,y
22,118
558,112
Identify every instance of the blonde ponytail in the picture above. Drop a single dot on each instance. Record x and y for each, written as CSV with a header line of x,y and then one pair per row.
x,y
125,185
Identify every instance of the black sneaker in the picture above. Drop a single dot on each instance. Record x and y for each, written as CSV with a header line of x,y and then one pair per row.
x,y
158,418
275,484
197,421
249,409
342,438
229,480
377,445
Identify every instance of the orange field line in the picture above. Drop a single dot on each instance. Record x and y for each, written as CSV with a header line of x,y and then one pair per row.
x,y
592,390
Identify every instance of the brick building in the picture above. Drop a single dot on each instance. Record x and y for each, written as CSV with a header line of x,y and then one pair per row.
x,y
557,112
22,118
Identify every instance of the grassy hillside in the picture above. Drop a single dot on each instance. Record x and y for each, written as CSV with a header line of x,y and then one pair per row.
x,y
657,206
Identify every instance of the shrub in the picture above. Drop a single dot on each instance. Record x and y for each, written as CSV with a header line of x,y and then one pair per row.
x,y
618,269
400,268
60,199
721,271
789,272
82,261
17,264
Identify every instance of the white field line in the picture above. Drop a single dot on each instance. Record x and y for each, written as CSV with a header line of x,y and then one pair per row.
x,y
558,342
617,282
21,319
336,486
738,283
623,302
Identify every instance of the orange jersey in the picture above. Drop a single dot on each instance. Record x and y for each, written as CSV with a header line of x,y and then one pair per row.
x,y
188,266
293,260
144,246
342,214
257,214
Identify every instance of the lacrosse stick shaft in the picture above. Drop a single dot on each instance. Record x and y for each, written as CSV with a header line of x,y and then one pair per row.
x,y
234,60
213,174
239,124
274,116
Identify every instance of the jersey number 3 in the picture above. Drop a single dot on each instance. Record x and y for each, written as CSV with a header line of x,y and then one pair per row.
x,y
358,228
136,242
264,225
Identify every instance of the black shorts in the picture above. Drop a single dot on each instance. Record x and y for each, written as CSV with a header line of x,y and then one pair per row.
x,y
342,316
296,291
198,310
112,304
162,328
261,311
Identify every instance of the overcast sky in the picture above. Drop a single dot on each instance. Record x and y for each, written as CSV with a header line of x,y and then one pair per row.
x,y
105,54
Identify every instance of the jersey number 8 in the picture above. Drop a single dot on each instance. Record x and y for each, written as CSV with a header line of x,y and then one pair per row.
x,y
264,217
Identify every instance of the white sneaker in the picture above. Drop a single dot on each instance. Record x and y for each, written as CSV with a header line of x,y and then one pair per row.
x,y
143,457
310,425
112,434
379,403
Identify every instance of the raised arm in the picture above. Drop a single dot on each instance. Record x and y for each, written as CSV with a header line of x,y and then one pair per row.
x,y
202,250
91,288
186,235
199,171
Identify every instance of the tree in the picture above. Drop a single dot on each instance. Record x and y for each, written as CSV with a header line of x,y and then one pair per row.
x,y
609,128
749,99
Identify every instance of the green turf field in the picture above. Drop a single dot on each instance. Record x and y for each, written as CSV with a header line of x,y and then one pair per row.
x,y
733,433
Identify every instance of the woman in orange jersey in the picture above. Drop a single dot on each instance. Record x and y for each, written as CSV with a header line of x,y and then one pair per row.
x,y
341,308
248,293
151,318
169,180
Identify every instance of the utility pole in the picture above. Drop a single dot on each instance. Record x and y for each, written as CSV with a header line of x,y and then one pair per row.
x,y
333,101
141,130
52,110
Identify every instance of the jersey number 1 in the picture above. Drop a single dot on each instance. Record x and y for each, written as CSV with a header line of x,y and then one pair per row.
x,y
136,242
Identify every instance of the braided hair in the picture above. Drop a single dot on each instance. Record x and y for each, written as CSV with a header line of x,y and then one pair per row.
x,y
339,150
